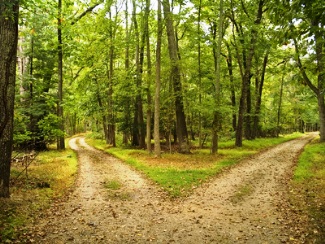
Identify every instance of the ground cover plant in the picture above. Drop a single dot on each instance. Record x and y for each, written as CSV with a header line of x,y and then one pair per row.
x,y
50,176
179,174
308,188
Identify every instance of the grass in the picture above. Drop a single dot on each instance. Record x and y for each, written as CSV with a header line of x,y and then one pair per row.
x,y
241,193
308,194
51,175
112,184
115,190
179,174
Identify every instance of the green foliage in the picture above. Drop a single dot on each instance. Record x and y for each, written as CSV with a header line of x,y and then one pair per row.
x,y
49,127
308,188
311,164
51,175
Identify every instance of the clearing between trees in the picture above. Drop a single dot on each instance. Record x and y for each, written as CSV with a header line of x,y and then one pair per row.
x,y
112,203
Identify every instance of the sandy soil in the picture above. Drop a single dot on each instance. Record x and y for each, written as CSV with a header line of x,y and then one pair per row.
x,y
242,205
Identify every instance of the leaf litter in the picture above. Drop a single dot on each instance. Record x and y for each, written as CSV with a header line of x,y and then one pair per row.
x,y
210,215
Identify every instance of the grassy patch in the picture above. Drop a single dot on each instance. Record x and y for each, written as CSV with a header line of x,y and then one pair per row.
x,y
112,184
49,176
177,173
308,185
241,193
115,190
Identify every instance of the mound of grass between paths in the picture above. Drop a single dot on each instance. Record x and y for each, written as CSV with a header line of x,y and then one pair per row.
x,y
179,174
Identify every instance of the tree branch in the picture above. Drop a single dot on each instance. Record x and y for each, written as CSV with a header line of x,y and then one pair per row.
x,y
84,13
302,70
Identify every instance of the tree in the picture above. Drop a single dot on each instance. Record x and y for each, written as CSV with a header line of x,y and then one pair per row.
x,y
245,62
9,11
313,14
60,140
158,84
216,125
181,129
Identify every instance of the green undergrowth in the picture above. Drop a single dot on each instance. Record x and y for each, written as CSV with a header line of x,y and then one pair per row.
x,y
308,188
179,174
50,176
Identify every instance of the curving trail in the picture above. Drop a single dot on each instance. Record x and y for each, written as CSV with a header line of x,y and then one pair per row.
x,y
240,206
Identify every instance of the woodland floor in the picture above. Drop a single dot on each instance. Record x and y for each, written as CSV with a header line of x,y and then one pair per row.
x,y
245,204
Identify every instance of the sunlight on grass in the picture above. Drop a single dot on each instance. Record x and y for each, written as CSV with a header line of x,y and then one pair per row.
x,y
50,175
308,186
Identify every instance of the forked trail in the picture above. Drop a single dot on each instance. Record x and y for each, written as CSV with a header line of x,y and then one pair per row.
x,y
239,206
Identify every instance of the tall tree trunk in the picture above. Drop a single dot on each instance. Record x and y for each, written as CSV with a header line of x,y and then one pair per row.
x,y
127,113
8,51
111,117
149,77
217,114
320,56
181,129
232,86
258,93
158,83
248,116
138,127
102,109
199,69
60,140
247,76
279,107
319,89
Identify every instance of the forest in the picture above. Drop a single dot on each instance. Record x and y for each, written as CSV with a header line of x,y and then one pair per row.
x,y
179,90
179,72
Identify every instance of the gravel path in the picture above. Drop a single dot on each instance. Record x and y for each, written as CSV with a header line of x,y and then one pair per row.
x,y
242,205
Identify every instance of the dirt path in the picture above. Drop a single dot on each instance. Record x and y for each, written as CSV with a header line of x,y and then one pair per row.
x,y
240,206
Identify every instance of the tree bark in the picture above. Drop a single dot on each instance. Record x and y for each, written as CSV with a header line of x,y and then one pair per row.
x,y
247,76
111,116
259,89
9,10
157,149
149,77
199,69
232,86
138,126
217,114
127,113
181,129
319,89
60,140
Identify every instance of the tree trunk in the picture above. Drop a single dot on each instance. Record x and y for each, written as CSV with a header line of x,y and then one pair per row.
x,y
158,83
8,51
102,109
319,90
138,127
199,70
60,140
181,129
127,113
279,107
248,117
149,98
232,86
259,89
111,117
246,76
217,114
319,40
